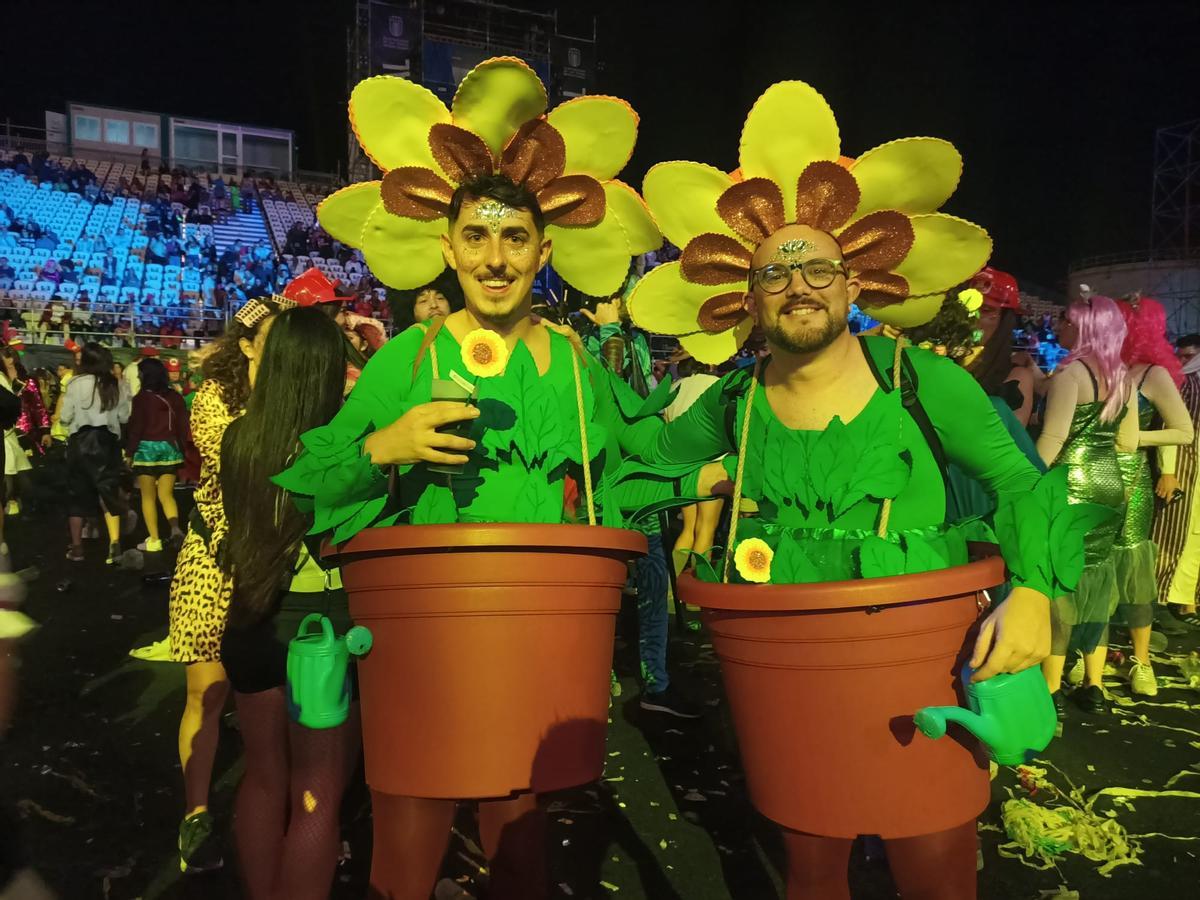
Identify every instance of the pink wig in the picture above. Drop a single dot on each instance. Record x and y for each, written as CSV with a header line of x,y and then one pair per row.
x,y
1146,341
1101,336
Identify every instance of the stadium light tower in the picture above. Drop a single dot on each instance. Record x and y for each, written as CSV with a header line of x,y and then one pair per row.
x,y
1175,209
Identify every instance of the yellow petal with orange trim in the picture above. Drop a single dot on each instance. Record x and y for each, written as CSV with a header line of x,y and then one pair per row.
x,y
682,197
391,118
641,233
664,303
753,560
402,253
484,353
789,127
714,349
599,133
344,213
912,312
946,251
496,98
911,175
593,259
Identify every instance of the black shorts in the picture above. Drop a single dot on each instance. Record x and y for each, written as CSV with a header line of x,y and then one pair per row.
x,y
255,658
95,472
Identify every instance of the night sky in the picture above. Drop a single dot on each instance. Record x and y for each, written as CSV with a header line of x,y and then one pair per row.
x,y
1053,104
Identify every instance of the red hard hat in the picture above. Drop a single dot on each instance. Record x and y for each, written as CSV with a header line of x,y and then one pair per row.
x,y
999,289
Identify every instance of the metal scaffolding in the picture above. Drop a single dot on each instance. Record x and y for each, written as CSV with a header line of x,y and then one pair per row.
x,y
1175,209
358,67
491,28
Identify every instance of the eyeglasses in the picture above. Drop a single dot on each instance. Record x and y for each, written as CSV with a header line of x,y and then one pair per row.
x,y
774,277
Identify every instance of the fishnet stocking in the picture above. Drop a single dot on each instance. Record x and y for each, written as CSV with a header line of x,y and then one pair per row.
x,y
286,814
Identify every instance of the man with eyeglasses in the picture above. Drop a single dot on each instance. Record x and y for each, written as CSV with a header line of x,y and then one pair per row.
x,y
799,295
820,378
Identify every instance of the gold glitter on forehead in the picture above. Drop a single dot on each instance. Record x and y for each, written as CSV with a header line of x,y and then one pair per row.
x,y
789,252
493,212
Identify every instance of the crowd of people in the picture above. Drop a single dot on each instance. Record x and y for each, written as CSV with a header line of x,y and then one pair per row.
x,y
835,456
209,285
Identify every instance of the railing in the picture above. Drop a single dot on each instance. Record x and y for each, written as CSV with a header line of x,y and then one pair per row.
x,y
1129,257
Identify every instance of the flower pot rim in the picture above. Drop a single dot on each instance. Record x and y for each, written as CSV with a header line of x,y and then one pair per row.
x,y
892,590
523,537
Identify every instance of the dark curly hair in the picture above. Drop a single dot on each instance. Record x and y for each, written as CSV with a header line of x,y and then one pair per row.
x,y
401,303
228,366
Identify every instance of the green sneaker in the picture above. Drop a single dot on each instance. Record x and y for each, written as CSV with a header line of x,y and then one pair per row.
x,y
199,850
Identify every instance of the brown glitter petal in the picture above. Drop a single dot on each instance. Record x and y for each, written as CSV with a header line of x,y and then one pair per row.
x,y
722,312
461,154
826,196
880,240
715,259
535,156
753,209
416,193
881,288
573,200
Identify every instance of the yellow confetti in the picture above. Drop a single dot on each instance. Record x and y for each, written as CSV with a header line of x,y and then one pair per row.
x,y
310,802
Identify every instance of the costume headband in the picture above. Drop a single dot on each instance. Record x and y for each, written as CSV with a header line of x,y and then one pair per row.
x,y
497,123
253,312
881,208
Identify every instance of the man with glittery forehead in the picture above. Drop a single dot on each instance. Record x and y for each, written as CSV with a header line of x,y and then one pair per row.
x,y
489,189
842,444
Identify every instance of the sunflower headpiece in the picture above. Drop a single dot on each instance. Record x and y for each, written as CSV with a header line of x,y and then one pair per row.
x,y
568,158
881,208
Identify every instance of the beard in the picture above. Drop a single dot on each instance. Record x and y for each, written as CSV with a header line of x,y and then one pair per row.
x,y
810,340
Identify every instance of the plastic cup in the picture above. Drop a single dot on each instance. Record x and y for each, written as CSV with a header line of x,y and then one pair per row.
x,y
451,391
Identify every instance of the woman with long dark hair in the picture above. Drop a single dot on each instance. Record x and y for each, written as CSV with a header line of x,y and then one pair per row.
x,y
200,591
1087,421
157,435
993,365
286,813
95,406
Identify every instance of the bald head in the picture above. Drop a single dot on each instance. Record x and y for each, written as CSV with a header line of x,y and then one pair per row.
x,y
801,318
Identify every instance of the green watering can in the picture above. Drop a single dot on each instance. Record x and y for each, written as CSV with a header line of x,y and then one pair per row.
x,y
1012,714
318,671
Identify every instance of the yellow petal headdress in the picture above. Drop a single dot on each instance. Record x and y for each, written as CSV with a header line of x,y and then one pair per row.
x,y
497,122
881,208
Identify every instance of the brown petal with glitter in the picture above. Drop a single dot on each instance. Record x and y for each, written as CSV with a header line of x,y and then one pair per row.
x,y
722,312
881,288
461,154
880,240
573,200
535,156
753,209
826,196
715,259
416,193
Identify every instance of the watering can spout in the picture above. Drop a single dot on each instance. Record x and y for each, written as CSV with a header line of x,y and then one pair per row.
x,y
932,721
1012,715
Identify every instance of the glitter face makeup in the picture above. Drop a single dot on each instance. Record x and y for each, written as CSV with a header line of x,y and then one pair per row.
x,y
493,212
789,252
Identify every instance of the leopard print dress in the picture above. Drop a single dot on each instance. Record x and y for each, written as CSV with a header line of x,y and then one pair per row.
x,y
200,592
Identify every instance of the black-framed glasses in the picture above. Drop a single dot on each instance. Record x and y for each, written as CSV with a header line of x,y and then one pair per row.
x,y
774,277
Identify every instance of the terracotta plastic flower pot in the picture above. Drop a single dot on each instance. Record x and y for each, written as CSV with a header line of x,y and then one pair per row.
x,y
823,681
489,671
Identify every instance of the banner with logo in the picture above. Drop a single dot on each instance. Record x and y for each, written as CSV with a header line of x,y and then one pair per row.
x,y
574,65
395,38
